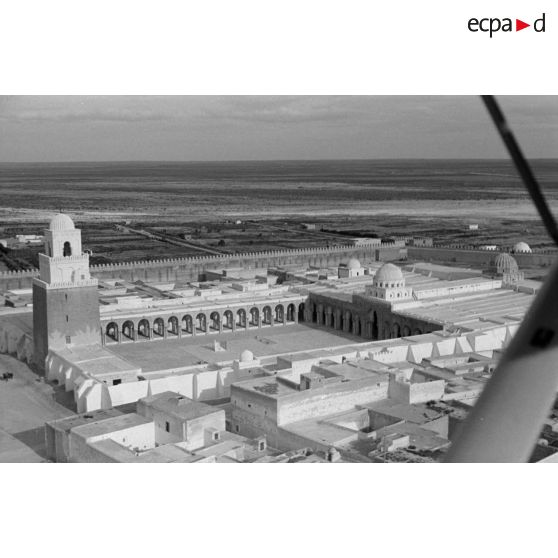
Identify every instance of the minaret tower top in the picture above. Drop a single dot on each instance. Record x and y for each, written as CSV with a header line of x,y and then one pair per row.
x,y
63,262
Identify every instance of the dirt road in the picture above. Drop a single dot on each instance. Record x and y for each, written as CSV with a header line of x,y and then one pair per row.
x,y
25,405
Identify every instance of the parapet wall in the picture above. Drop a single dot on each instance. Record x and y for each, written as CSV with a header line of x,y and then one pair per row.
x,y
191,269
470,255
457,246
17,279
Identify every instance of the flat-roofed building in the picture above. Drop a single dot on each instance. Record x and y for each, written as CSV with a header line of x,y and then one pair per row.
x,y
57,432
263,406
180,419
167,428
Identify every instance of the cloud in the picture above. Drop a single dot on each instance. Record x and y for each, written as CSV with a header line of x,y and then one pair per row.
x,y
233,110
80,109
287,110
91,116
248,127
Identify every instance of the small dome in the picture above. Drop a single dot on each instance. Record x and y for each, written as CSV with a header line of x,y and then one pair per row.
x,y
522,247
61,222
246,356
504,263
388,273
353,263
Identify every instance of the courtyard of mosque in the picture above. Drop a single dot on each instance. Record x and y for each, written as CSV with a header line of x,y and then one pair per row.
x,y
342,356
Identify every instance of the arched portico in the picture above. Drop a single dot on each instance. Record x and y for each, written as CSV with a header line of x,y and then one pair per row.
x,y
172,326
266,316
205,322
254,317
187,324
201,323
159,329
279,314
129,330
112,332
375,327
356,325
291,313
228,320
144,329
348,322
215,322
241,318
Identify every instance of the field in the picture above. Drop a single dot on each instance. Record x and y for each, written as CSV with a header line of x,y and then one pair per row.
x,y
194,207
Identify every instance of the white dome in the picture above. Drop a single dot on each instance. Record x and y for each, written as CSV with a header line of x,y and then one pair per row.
x,y
522,247
388,273
353,263
504,263
61,222
246,356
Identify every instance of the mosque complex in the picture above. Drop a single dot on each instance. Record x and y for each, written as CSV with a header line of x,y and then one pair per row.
x,y
353,361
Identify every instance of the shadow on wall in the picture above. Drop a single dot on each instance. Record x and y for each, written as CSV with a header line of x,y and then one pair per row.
x,y
65,398
336,332
34,439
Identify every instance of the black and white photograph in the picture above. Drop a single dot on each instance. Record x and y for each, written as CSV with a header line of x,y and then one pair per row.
x,y
306,279
278,278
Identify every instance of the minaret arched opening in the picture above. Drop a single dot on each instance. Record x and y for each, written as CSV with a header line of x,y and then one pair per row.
x,y
67,249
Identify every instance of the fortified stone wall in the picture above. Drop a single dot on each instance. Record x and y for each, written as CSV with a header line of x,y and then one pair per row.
x,y
193,269
17,279
473,256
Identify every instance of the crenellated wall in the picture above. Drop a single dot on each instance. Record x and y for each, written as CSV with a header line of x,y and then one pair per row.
x,y
17,279
470,255
192,269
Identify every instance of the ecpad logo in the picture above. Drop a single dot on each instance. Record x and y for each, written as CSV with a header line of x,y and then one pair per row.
x,y
494,24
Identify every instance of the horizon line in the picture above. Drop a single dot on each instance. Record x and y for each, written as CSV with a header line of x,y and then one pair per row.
x,y
209,161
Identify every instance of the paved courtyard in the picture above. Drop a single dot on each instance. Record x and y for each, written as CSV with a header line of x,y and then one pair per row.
x,y
264,342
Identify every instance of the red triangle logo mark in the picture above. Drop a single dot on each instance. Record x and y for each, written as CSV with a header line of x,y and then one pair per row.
x,y
519,25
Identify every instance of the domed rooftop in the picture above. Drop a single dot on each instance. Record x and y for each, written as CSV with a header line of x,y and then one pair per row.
x,y
522,247
353,263
61,222
246,356
388,273
504,263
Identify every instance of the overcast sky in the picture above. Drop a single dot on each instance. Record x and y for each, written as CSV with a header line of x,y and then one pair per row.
x,y
189,128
